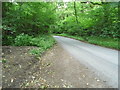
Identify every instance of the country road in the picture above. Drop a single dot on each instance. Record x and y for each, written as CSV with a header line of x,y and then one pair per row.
x,y
102,61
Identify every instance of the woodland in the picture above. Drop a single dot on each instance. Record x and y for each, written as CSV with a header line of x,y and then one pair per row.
x,y
31,57
34,23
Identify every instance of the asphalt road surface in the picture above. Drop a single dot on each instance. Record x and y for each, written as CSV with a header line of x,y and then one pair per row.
x,y
103,61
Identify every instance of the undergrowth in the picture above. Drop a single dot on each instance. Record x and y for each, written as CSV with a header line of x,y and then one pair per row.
x,y
44,42
106,42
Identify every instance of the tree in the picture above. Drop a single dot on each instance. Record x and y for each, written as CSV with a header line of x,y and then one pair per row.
x,y
75,11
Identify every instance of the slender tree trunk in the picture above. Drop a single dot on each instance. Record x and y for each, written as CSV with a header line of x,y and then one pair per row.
x,y
75,12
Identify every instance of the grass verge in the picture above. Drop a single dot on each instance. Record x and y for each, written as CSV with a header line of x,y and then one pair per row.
x,y
43,41
105,42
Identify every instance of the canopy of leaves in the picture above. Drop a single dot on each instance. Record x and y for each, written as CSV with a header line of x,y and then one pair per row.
x,y
93,19
74,18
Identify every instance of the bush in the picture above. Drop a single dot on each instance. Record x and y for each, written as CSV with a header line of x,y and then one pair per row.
x,y
7,40
43,41
23,40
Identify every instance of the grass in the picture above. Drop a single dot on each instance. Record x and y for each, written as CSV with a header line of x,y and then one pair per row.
x,y
38,51
105,42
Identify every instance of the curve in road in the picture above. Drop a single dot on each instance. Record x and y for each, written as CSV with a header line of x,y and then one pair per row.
x,y
103,61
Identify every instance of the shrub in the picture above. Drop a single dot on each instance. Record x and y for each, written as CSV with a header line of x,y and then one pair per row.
x,y
23,40
43,41
7,40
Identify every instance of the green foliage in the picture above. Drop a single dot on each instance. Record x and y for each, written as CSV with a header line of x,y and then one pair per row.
x,y
94,19
29,18
23,40
106,42
43,41
4,60
7,40
36,51
37,20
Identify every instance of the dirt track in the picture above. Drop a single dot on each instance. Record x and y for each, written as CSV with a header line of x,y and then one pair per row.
x,y
56,68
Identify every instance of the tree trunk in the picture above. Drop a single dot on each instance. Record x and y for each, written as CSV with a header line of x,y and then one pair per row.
x,y
75,12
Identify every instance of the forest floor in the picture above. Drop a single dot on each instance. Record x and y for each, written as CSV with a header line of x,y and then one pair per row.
x,y
54,69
